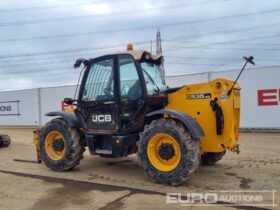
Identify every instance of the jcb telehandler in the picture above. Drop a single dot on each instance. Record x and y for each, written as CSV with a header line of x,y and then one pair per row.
x,y
124,106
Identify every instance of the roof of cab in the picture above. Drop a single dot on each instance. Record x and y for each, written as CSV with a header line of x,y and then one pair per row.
x,y
138,54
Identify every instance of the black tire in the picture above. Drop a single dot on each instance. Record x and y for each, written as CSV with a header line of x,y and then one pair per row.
x,y
74,145
189,148
211,158
5,141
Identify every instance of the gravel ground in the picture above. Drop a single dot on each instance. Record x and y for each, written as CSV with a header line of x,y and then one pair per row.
x,y
99,183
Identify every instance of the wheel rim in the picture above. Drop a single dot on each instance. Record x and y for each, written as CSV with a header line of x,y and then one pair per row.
x,y
164,159
55,145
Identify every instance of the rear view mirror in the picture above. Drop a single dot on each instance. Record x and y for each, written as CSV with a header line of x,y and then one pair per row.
x,y
69,101
79,62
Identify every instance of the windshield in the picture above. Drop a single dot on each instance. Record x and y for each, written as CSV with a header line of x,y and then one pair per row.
x,y
153,77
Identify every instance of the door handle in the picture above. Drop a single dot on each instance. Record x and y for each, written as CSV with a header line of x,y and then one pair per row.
x,y
109,102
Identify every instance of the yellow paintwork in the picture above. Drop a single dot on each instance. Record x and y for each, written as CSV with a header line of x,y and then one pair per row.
x,y
153,148
70,110
201,110
52,153
36,141
36,137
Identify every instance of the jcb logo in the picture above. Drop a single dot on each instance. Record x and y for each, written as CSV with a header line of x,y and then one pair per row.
x,y
101,118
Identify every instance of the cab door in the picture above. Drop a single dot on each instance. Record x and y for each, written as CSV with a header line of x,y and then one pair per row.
x,y
132,95
97,109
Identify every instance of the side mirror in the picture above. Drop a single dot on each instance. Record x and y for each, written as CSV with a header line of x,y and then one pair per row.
x,y
79,62
69,101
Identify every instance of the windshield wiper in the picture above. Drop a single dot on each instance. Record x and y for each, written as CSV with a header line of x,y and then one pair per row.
x,y
152,80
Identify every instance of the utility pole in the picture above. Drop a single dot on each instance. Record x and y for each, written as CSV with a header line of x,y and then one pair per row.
x,y
159,48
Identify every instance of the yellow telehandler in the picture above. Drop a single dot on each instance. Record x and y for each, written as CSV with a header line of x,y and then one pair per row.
x,y
124,106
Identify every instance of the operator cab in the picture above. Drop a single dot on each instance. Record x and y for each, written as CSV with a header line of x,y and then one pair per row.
x,y
118,90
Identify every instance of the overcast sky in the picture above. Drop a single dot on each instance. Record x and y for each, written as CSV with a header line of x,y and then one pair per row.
x,y
40,40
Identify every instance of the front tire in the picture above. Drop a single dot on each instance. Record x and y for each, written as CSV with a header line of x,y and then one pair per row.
x,y
61,145
167,152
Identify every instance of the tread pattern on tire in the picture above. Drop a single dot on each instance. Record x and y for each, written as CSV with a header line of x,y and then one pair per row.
x,y
190,151
75,147
5,141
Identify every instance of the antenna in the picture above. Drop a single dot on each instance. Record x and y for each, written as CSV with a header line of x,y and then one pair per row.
x,y
247,60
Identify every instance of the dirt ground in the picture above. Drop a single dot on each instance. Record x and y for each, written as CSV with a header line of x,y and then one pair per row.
x,y
104,184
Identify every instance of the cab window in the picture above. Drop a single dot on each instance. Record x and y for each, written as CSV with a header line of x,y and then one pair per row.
x,y
130,86
154,78
100,82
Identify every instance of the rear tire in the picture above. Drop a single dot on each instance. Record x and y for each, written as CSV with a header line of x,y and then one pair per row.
x,y
211,158
5,141
71,145
165,172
